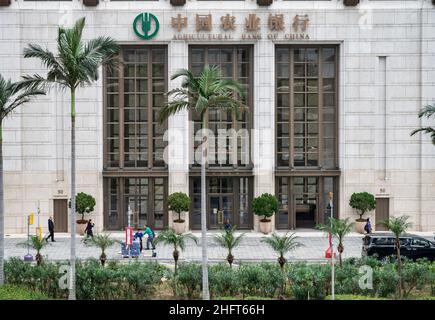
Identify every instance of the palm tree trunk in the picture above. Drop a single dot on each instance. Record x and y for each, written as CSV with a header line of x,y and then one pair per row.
x,y
399,267
175,254
72,283
205,289
340,251
2,217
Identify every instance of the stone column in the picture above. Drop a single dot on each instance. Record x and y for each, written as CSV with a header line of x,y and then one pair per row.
x,y
177,151
263,136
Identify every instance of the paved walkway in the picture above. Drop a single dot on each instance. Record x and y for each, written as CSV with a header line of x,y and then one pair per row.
x,y
251,249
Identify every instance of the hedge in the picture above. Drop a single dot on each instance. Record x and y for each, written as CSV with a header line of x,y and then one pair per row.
x,y
140,280
10,292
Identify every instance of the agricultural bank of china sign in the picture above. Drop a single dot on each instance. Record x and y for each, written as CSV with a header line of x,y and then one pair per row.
x,y
279,26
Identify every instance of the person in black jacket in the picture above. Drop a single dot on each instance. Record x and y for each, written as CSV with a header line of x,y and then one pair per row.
x,y
88,230
50,230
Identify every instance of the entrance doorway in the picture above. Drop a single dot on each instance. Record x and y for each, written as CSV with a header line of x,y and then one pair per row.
x,y
303,201
60,216
227,200
146,198
382,212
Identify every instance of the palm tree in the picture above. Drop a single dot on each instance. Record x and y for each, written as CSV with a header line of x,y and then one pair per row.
x,y
200,94
102,241
171,238
36,243
10,98
427,112
76,65
227,239
338,228
398,226
282,245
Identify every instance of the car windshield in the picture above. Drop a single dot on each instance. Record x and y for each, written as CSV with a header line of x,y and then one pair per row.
x,y
389,241
419,242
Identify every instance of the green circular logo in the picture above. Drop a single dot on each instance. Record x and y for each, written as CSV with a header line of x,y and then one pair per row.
x,y
146,25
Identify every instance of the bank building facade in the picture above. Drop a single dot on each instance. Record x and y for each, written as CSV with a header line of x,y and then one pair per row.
x,y
333,90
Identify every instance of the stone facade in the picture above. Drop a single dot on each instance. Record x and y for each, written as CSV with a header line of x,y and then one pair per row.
x,y
379,98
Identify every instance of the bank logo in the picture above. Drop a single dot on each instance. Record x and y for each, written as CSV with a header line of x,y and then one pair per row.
x,y
146,25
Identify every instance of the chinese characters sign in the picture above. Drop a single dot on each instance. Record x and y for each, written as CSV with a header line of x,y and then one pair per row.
x,y
277,26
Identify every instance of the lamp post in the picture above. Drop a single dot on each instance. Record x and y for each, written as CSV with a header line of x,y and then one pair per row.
x,y
331,196
129,214
28,257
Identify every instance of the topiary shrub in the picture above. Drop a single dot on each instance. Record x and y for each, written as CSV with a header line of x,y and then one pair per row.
x,y
85,203
179,202
362,202
265,205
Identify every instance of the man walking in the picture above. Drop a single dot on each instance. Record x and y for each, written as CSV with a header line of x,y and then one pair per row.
x,y
50,230
88,230
151,235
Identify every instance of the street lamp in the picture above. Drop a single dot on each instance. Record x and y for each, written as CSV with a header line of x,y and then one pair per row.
x,y
129,214
331,197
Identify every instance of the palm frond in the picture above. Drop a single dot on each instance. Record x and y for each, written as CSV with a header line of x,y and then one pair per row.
x,y
397,225
172,108
282,244
427,111
13,96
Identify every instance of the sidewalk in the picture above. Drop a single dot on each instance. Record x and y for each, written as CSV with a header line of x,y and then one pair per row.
x,y
314,243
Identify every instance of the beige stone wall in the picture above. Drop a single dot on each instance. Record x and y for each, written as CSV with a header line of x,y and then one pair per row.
x,y
374,132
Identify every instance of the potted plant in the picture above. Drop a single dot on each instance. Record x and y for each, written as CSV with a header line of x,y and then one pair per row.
x,y
265,205
363,202
350,3
91,3
179,202
264,2
177,3
5,3
85,203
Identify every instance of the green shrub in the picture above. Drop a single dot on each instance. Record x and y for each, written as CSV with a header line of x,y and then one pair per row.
x,y
353,297
265,205
42,278
263,279
133,280
223,280
385,280
309,281
11,292
257,298
116,281
363,202
415,275
189,277
179,202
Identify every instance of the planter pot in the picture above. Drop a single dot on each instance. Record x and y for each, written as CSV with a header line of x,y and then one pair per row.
x,y
264,3
5,3
359,226
81,226
178,3
265,227
350,3
179,227
91,3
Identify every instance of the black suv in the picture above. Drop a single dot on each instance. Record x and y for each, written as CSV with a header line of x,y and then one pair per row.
x,y
411,246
